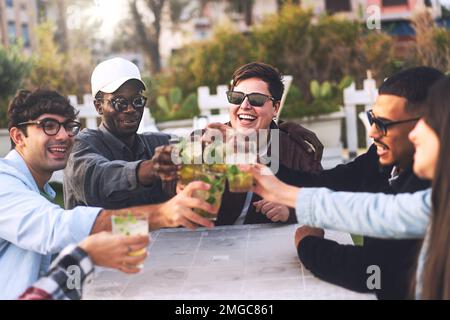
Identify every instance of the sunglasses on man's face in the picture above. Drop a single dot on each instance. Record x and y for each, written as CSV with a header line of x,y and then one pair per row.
x,y
383,125
255,99
120,104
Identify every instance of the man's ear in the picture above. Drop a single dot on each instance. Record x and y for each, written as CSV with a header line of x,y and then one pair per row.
x,y
98,106
276,108
17,136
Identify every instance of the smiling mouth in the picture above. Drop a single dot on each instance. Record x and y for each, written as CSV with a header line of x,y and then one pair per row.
x,y
246,117
129,122
382,149
58,150
381,146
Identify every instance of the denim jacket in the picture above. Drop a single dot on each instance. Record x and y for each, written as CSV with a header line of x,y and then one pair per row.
x,y
380,215
32,228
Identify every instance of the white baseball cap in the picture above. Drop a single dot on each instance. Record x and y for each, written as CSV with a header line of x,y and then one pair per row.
x,y
110,74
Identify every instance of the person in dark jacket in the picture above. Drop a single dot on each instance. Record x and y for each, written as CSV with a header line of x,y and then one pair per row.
x,y
385,167
251,82
115,167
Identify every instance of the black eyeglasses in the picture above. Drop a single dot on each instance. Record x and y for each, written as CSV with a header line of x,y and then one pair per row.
x,y
120,104
383,125
51,127
255,99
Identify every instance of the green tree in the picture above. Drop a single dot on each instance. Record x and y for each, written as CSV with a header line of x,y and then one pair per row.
x,y
212,62
67,73
148,34
432,46
47,71
296,42
324,48
14,67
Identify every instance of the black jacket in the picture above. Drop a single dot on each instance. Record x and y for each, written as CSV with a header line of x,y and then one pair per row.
x,y
291,155
347,265
102,171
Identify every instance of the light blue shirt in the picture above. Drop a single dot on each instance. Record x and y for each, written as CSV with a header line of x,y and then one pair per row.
x,y
373,214
32,228
401,216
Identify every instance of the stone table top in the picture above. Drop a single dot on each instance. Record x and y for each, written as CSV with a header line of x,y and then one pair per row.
x,y
229,262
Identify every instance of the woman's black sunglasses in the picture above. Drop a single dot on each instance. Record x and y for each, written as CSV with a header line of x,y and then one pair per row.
x,y
255,99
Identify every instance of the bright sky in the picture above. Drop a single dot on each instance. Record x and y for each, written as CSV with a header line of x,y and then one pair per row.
x,y
110,12
446,3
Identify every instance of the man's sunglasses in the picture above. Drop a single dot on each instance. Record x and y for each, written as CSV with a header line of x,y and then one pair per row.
x,y
255,99
120,104
51,127
383,125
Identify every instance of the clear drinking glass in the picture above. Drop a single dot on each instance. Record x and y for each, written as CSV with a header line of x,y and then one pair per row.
x,y
131,225
243,152
214,195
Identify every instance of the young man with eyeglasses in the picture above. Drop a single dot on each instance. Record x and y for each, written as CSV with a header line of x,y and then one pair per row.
x,y
386,167
42,128
114,167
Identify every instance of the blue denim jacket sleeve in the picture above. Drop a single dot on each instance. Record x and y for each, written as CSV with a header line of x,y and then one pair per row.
x,y
379,215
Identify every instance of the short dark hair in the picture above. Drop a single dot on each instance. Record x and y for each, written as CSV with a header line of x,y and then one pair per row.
x,y
412,84
30,105
262,71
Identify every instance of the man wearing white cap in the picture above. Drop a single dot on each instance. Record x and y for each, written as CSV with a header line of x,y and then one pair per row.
x,y
114,167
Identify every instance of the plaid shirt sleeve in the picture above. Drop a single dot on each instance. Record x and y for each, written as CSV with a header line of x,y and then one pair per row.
x,y
65,279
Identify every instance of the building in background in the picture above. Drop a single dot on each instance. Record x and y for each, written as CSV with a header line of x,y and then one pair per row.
x,y
18,18
396,15
391,10
55,11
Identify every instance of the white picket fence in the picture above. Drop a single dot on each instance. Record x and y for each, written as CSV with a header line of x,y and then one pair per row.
x,y
352,99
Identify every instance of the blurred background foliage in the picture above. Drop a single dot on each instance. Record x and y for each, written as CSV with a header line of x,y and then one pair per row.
x,y
324,50
318,51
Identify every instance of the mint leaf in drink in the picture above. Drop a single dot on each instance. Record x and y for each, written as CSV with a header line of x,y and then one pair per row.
x,y
211,200
233,170
118,220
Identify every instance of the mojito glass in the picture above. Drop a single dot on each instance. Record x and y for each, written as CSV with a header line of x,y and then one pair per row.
x,y
214,195
218,168
189,172
239,181
130,225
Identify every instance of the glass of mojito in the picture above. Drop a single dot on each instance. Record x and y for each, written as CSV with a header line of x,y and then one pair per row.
x,y
189,172
214,195
191,161
218,168
131,225
239,181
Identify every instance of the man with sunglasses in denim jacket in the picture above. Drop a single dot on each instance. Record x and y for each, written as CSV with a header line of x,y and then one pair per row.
x,y
114,167
386,167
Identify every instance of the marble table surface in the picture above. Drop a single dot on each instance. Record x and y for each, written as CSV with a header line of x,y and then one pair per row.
x,y
230,262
